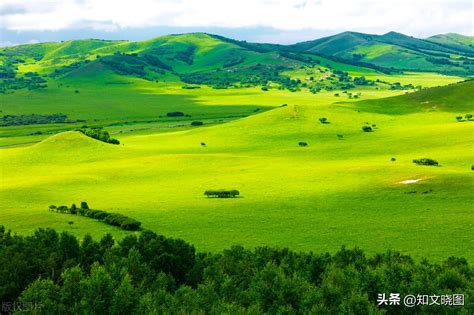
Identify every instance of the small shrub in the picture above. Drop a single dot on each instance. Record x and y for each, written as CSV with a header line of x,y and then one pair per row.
x,y
302,144
426,161
340,137
197,123
323,120
203,144
175,114
393,159
222,193
468,116
190,87
367,129
459,118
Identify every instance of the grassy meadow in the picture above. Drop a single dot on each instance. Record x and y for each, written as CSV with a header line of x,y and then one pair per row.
x,y
331,193
256,103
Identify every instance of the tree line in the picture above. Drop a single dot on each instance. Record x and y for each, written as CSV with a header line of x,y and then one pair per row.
x,y
115,219
99,134
33,119
148,273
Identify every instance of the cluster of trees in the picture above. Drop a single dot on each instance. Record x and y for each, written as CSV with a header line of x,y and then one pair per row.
x,y
155,61
399,86
222,193
126,64
441,61
114,219
197,123
33,119
151,274
68,68
233,62
259,74
467,117
99,134
30,81
186,55
363,81
190,87
426,161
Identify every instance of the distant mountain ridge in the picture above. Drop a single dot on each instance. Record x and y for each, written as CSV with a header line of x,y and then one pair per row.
x,y
441,53
201,58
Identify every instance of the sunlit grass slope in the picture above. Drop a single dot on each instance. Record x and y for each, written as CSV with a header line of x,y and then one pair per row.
x,y
331,193
394,50
454,98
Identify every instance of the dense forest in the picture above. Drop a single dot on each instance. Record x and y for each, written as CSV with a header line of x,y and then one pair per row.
x,y
145,273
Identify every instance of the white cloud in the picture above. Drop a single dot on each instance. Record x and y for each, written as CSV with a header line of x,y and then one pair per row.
x,y
378,16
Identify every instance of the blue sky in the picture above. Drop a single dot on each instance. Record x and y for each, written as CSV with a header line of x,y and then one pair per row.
x,y
276,21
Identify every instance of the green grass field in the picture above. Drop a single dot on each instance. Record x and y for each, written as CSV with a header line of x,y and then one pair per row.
x,y
347,187
317,198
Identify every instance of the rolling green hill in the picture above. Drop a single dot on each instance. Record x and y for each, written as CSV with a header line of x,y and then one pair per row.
x,y
335,191
398,51
454,98
457,40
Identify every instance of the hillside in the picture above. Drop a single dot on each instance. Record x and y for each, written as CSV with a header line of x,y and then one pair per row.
x,y
398,51
178,73
453,39
455,98
200,58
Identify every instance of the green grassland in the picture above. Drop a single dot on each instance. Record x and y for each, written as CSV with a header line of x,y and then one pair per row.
x,y
336,191
317,198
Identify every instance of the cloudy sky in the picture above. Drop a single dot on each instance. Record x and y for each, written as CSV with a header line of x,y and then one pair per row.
x,y
281,21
